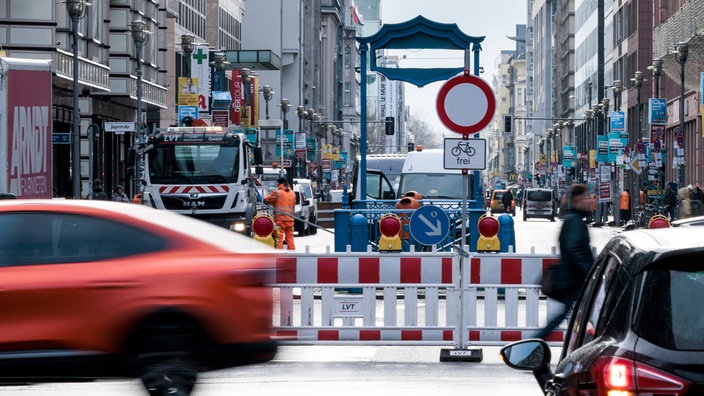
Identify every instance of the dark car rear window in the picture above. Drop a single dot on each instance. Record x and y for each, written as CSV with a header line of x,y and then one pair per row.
x,y
671,311
538,196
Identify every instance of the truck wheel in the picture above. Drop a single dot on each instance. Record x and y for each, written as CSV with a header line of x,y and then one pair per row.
x,y
313,229
299,227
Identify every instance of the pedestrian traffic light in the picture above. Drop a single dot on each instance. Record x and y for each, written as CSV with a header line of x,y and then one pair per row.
x,y
389,125
508,123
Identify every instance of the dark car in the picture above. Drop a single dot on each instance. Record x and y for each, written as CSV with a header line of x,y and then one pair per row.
x,y
99,289
638,326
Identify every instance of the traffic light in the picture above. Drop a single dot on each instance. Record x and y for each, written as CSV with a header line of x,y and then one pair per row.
x,y
508,123
389,125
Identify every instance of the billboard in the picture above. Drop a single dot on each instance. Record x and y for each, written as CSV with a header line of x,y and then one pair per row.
x,y
200,71
28,145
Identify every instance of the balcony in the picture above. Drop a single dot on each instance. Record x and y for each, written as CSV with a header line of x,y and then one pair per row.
x,y
90,73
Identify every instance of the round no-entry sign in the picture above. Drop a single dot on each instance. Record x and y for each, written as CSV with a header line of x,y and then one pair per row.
x,y
466,104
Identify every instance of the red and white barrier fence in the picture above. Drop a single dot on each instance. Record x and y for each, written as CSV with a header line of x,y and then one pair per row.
x,y
410,298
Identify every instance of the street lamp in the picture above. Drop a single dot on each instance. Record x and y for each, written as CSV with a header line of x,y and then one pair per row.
x,y
682,53
139,36
220,62
187,46
245,75
268,94
76,9
301,112
638,84
618,88
284,109
656,68
285,106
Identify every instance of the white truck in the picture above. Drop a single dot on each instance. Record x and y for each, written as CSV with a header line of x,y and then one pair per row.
x,y
25,128
203,172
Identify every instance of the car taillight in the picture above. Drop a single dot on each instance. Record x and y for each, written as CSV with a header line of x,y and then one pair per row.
x,y
616,376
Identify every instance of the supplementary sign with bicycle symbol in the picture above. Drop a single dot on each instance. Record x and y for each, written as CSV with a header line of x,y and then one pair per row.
x,y
465,154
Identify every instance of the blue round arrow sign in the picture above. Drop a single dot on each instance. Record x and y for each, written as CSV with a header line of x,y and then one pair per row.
x,y
429,225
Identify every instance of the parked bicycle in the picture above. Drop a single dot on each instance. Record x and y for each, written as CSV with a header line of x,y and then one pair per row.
x,y
651,209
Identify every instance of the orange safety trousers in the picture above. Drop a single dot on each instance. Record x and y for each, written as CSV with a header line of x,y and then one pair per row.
x,y
286,232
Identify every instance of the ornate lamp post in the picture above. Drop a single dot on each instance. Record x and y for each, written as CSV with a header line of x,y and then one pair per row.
x,y
139,36
268,94
656,68
220,62
301,112
635,191
187,46
682,53
285,106
618,88
76,9
245,75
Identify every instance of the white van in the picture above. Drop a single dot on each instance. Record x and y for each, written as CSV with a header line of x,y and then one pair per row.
x,y
538,202
424,172
307,187
377,183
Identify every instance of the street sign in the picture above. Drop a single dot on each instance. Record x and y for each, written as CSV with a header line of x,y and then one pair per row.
x,y
60,138
465,154
466,104
429,225
120,126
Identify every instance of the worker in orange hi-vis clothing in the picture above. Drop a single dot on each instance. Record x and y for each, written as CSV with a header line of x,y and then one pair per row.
x,y
283,199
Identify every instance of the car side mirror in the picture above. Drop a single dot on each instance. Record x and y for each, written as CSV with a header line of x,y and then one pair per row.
x,y
532,354
389,195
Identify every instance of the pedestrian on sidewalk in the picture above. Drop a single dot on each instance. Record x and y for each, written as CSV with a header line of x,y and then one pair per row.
x,y
575,254
625,207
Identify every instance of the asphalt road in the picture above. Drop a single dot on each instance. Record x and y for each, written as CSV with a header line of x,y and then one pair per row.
x,y
337,370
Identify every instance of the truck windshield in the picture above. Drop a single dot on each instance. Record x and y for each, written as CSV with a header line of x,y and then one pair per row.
x,y
194,164
433,185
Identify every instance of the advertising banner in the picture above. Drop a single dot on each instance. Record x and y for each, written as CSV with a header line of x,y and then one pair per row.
x,y
187,91
187,111
28,115
200,71
618,122
236,92
602,147
569,157
658,111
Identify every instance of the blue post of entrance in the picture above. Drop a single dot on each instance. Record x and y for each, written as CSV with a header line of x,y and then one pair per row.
x,y
477,208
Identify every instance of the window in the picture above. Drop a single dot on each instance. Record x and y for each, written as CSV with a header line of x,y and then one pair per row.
x,y
57,238
347,94
670,311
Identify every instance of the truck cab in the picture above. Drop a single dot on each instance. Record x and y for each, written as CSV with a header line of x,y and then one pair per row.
x,y
203,172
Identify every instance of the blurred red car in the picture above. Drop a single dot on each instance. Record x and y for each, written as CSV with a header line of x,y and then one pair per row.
x,y
96,289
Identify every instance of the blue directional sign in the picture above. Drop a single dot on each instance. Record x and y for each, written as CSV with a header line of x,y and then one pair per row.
x,y
429,225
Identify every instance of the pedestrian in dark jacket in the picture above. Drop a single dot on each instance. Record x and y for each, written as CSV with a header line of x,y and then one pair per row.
x,y
98,192
507,200
575,252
